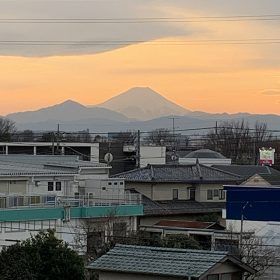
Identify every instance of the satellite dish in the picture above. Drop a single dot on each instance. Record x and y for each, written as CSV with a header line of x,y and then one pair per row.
x,y
108,158
174,157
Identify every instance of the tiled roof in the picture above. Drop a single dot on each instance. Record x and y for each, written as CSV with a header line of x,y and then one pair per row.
x,y
272,179
158,261
178,173
246,171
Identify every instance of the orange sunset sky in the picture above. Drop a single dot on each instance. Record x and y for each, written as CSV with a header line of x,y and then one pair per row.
x,y
210,77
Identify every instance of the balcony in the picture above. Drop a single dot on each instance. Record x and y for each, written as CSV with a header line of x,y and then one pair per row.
x,y
49,207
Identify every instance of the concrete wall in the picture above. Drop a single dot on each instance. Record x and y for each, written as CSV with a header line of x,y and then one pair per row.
x,y
152,155
226,268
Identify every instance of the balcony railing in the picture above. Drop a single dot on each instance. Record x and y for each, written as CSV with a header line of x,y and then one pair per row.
x,y
38,201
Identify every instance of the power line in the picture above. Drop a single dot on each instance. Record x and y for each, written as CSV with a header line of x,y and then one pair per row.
x,y
258,41
142,20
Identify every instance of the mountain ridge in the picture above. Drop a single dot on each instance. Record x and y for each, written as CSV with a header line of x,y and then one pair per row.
x,y
143,103
74,116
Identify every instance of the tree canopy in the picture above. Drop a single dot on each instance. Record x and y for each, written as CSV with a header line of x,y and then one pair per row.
x,y
7,129
42,257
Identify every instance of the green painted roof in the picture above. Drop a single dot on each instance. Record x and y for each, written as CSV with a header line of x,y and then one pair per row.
x,y
158,261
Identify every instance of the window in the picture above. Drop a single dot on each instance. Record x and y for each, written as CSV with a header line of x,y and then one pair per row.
x,y
216,193
103,188
226,276
115,183
109,183
121,183
209,194
175,194
191,193
58,186
213,277
50,186
222,195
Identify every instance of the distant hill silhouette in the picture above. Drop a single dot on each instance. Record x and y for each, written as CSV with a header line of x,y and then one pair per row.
x,y
138,108
66,111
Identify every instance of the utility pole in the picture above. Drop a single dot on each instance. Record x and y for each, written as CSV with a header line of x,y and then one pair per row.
x,y
53,139
242,224
216,136
57,139
173,132
138,149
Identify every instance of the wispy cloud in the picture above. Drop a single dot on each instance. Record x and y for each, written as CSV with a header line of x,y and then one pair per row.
x,y
271,92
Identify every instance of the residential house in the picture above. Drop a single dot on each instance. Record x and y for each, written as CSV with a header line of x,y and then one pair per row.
x,y
247,171
178,190
209,235
153,263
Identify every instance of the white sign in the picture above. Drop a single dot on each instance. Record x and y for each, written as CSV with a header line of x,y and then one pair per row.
x,y
267,156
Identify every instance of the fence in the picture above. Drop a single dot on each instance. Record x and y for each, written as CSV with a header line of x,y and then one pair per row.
x,y
19,201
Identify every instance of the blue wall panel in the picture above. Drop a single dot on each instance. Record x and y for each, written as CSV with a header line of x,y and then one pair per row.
x,y
257,204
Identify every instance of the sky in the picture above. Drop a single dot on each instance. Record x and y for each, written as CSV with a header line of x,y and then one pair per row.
x,y
184,61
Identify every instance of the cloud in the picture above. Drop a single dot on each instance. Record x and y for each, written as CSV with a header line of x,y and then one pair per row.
x,y
83,9
271,92
46,9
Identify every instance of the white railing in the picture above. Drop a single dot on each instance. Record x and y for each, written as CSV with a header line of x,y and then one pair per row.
x,y
20,201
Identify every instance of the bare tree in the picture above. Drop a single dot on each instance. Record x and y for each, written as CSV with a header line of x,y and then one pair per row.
x,y
237,141
258,255
7,129
126,137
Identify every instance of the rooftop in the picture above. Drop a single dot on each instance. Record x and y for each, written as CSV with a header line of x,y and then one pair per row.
x,y
178,173
178,207
160,261
246,171
204,153
188,224
26,165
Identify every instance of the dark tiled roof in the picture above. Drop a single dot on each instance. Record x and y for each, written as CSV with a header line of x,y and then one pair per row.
x,y
160,261
247,171
272,179
179,173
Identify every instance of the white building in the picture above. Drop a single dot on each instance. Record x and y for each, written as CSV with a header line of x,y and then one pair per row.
x,y
205,157
61,193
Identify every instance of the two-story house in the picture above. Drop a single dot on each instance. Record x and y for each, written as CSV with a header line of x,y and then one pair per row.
x,y
181,190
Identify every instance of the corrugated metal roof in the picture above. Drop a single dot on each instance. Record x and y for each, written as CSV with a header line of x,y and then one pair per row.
x,y
62,160
178,173
32,165
185,224
13,169
158,261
